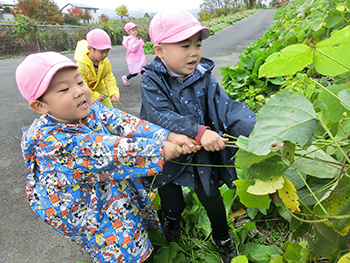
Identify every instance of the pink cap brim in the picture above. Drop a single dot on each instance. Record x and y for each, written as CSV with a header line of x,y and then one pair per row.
x,y
187,33
34,74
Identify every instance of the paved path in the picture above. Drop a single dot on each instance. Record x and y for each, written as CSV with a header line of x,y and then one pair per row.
x,y
24,238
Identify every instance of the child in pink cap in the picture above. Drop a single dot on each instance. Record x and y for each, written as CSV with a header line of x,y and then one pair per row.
x,y
85,162
135,57
91,56
180,94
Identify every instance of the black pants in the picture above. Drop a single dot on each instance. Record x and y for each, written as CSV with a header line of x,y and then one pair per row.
x,y
129,76
173,204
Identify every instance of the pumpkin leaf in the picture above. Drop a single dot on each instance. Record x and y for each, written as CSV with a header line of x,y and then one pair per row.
x,y
285,117
266,187
288,195
250,200
333,57
288,61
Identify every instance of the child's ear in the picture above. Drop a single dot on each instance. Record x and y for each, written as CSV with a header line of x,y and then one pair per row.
x,y
158,50
38,106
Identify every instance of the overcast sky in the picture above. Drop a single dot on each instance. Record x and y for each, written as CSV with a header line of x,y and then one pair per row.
x,y
147,5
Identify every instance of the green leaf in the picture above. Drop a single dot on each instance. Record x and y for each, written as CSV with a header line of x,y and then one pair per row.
x,y
332,102
244,158
332,18
167,254
314,166
323,109
345,96
292,253
156,237
294,177
256,252
240,259
285,117
343,259
338,204
288,61
228,196
321,246
288,151
266,169
250,200
337,47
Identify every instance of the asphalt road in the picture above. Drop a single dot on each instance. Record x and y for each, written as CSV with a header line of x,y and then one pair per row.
x,y
24,238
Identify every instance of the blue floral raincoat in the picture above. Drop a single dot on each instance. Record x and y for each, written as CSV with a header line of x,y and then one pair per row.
x,y
181,107
84,180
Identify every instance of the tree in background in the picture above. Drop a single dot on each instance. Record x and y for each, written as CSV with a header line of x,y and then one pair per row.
x,y
75,12
216,8
44,11
104,18
122,11
86,16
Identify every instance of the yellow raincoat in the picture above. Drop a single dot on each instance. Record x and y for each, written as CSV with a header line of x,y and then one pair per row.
x,y
102,83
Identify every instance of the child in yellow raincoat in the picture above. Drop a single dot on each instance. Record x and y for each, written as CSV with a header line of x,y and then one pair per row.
x,y
91,56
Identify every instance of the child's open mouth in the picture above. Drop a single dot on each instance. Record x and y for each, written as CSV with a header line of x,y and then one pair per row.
x,y
83,105
191,64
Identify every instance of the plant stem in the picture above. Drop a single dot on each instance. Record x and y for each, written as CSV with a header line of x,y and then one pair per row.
x,y
312,193
323,87
335,141
331,58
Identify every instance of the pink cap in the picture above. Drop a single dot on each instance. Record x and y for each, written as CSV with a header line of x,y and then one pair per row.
x,y
34,73
99,39
175,25
129,26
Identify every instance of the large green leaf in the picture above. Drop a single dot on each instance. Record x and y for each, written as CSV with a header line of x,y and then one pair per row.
x,y
332,102
330,57
250,200
266,169
317,163
285,117
288,61
338,204
336,47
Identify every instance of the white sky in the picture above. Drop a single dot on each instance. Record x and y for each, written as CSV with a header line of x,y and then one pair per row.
x,y
147,5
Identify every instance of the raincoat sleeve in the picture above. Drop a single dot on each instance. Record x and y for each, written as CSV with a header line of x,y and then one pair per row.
x,y
91,157
109,79
133,44
158,108
226,115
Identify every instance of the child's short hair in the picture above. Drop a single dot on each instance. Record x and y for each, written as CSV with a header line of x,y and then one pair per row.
x,y
175,25
98,39
34,73
130,25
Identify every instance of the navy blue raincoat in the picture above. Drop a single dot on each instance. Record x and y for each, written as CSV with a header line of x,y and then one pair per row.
x,y
181,107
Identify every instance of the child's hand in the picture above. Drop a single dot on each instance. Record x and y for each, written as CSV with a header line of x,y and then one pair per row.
x,y
171,150
115,98
212,141
187,144
101,97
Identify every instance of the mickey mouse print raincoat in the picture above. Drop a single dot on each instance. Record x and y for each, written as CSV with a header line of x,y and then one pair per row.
x,y
84,180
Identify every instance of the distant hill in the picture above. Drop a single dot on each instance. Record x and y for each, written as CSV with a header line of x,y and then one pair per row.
x,y
137,13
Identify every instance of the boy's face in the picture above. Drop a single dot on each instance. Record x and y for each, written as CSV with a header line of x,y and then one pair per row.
x,y
181,58
96,55
68,97
133,31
